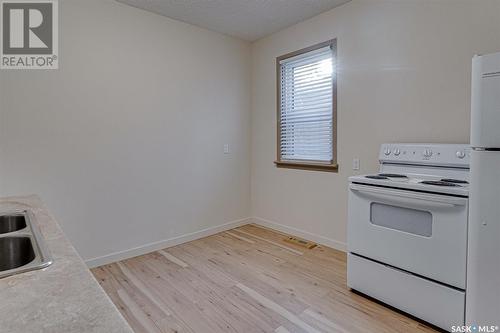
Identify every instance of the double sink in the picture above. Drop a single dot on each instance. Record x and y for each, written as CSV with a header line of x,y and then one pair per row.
x,y
22,246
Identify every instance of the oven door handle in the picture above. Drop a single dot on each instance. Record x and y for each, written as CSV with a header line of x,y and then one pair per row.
x,y
409,197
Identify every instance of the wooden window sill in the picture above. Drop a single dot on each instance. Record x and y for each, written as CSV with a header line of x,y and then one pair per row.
x,y
307,166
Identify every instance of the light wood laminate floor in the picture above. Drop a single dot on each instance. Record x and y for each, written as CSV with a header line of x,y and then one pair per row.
x,y
244,280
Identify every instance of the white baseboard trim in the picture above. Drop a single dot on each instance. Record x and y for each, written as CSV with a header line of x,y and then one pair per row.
x,y
335,244
155,246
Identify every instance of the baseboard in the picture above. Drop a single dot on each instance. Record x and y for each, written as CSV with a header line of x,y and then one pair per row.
x,y
155,246
341,246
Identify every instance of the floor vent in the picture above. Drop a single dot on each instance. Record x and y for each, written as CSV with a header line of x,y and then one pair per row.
x,y
301,242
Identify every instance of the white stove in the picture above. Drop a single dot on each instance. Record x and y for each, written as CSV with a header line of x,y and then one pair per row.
x,y
407,231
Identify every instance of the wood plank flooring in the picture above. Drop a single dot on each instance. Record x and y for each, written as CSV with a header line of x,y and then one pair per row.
x,y
245,280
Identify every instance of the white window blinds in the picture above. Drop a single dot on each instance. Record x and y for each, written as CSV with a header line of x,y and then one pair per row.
x,y
306,107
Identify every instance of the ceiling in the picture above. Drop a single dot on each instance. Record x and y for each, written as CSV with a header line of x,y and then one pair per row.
x,y
246,19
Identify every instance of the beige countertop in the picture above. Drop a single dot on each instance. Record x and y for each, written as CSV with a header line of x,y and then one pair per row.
x,y
63,297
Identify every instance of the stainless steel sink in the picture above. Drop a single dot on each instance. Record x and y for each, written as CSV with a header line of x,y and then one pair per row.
x,y
10,223
22,246
15,252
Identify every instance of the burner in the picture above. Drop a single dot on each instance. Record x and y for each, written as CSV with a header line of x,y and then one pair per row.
x,y
392,175
455,181
438,183
376,177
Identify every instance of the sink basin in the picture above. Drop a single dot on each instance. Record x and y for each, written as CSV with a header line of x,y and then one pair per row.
x,y
22,246
11,223
15,252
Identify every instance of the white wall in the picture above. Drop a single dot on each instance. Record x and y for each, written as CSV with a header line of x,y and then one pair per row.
x,y
404,75
124,142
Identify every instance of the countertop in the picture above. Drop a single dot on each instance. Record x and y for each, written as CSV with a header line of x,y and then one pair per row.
x,y
62,298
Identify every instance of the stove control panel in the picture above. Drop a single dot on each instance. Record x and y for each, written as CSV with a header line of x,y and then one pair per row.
x,y
453,155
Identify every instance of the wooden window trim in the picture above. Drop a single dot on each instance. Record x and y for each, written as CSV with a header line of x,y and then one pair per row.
x,y
307,165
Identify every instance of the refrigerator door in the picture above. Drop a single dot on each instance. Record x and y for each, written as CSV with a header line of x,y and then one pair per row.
x,y
485,112
483,265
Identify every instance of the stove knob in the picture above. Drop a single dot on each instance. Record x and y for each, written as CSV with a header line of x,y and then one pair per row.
x,y
387,151
397,152
460,154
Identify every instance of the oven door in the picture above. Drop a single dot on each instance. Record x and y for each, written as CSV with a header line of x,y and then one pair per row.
x,y
422,233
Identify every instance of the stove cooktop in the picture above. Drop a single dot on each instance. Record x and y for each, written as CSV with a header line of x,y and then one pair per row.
x,y
426,183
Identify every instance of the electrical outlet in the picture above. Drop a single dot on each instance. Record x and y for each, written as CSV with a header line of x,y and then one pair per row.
x,y
355,163
226,148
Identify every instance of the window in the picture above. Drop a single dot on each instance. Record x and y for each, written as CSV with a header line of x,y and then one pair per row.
x,y
307,95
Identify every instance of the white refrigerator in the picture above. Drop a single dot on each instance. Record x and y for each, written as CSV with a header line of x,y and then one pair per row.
x,y
483,264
